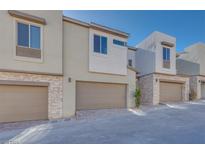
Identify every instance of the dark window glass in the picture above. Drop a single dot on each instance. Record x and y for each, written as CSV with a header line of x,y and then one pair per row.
x,y
130,62
104,45
164,54
35,37
96,43
23,35
100,44
118,42
168,54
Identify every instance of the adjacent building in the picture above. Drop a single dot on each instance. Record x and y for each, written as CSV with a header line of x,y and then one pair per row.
x,y
191,63
155,59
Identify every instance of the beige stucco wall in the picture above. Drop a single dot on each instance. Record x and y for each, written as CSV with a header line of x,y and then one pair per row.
x,y
55,89
76,66
150,87
52,44
132,81
195,53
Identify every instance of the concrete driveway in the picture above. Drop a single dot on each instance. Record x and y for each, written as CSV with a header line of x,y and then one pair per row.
x,y
184,123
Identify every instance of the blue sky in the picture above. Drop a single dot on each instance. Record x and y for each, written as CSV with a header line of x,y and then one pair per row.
x,y
187,26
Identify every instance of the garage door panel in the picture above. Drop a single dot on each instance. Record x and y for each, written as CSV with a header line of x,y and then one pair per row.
x,y
100,95
170,92
20,103
203,90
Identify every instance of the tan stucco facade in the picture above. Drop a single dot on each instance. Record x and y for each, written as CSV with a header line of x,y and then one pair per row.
x,y
150,87
76,62
51,43
62,60
34,67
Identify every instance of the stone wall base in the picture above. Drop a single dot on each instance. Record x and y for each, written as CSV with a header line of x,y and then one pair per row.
x,y
195,86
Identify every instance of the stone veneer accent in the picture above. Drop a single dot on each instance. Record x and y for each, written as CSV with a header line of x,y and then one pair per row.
x,y
195,85
146,86
150,87
55,89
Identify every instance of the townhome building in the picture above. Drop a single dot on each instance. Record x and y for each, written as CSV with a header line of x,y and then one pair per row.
x,y
191,62
96,75
52,66
31,72
155,59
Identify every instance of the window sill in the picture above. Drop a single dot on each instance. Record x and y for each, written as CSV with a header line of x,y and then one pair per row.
x,y
119,46
28,54
26,59
99,54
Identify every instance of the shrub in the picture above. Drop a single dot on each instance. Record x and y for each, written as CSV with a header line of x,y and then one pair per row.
x,y
192,95
137,97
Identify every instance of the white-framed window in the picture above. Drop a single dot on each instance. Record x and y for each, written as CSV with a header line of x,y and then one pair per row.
x,y
166,57
28,35
166,54
28,44
119,43
100,44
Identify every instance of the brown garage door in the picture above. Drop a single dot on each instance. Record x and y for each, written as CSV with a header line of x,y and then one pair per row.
x,y
90,95
20,103
170,92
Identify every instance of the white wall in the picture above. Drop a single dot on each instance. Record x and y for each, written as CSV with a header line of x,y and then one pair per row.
x,y
115,62
149,43
153,44
196,54
144,62
185,67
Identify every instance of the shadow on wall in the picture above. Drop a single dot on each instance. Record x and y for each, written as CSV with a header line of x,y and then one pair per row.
x,y
185,67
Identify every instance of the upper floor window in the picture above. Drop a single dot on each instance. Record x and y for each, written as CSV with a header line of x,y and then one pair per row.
x,y
28,41
100,44
166,53
130,62
118,42
166,57
28,35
